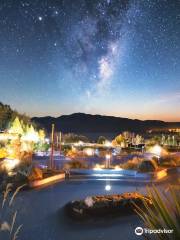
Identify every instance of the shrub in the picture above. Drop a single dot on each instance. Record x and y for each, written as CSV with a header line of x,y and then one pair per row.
x,y
25,156
3,153
170,161
18,175
131,164
148,166
35,174
76,164
101,140
73,153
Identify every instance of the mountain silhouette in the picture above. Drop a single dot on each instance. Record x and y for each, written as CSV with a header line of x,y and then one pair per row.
x,y
89,125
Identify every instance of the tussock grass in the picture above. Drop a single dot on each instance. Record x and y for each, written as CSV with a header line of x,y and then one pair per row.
x,y
9,226
164,212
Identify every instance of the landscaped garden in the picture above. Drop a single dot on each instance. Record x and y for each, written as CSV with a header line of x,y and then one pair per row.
x,y
18,144
19,171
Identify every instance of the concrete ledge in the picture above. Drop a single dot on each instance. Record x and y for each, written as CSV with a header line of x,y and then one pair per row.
x,y
115,173
46,181
103,171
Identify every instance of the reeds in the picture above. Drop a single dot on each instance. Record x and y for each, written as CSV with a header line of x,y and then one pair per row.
x,y
164,213
9,227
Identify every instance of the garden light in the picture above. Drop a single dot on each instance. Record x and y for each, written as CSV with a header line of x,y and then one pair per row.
x,y
99,167
108,187
10,164
89,151
157,150
108,144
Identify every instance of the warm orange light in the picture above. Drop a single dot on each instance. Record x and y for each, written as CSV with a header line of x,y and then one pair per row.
x,y
48,180
108,156
10,164
89,151
108,144
98,167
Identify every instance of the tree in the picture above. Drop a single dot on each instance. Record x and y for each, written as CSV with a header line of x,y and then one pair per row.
x,y
101,140
72,138
138,140
7,115
41,135
16,127
119,139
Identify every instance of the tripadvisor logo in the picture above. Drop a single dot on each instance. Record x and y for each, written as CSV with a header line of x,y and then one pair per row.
x,y
139,231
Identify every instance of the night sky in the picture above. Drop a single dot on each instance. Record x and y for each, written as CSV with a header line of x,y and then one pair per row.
x,y
111,57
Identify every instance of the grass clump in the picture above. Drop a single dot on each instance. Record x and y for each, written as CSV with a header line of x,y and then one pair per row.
x,y
8,216
164,213
76,164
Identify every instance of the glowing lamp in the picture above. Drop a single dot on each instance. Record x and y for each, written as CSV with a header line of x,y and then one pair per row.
x,y
89,152
157,150
108,156
97,167
117,167
108,187
108,143
10,164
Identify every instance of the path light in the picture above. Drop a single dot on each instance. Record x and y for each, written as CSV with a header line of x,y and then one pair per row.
x,y
108,187
97,167
108,144
47,140
10,164
89,151
117,167
157,150
108,156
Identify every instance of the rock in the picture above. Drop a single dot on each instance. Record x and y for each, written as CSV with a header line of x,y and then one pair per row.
x,y
95,206
89,201
147,166
35,174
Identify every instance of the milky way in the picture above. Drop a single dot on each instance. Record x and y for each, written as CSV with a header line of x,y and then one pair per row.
x,y
113,57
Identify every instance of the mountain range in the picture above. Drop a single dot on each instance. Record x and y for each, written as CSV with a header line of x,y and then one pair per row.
x,y
95,125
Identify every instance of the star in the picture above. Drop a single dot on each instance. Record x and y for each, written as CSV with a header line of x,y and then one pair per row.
x,y
100,50
40,18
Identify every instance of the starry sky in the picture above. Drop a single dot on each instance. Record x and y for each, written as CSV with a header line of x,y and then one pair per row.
x,y
111,57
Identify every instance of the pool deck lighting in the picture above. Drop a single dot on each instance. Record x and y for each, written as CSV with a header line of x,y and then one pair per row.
x,y
108,187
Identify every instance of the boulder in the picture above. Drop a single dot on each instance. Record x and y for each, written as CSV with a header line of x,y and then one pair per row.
x,y
148,166
101,206
35,174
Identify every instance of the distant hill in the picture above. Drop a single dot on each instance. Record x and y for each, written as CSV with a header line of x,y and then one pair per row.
x,y
7,114
90,125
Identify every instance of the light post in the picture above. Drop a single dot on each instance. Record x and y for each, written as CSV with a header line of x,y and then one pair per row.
x,y
108,159
60,139
52,148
